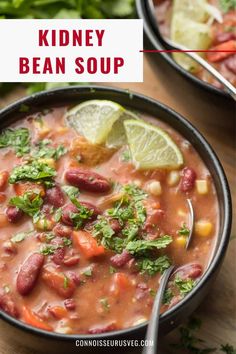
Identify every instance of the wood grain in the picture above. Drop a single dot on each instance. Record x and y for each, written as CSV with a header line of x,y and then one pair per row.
x,y
217,124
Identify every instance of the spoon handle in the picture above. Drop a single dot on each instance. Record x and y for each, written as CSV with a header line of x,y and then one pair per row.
x,y
229,87
173,45
153,326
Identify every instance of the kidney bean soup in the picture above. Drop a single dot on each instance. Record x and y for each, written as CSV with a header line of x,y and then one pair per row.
x,y
85,236
222,35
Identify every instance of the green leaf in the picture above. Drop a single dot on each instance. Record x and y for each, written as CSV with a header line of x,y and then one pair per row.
x,y
226,5
20,236
140,246
153,266
30,203
18,139
168,296
184,285
44,149
184,231
34,171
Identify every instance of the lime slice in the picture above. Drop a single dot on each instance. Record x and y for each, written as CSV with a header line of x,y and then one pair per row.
x,y
94,119
151,147
196,10
192,35
117,136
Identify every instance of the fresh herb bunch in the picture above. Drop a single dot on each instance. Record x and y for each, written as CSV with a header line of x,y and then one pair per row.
x,y
18,139
61,9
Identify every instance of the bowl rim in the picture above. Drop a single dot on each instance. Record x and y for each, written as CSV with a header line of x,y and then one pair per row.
x,y
226,198
156,41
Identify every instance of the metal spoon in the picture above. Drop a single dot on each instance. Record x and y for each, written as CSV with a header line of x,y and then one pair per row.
x,y
153,325
176,46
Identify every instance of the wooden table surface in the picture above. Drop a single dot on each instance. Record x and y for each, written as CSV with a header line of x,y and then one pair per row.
x,y
218,311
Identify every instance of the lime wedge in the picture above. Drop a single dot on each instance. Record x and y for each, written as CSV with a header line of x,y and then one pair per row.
x,y
117,136
94,119
196,10
193,35
151,147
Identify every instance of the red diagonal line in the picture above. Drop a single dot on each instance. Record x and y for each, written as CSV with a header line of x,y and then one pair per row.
x,y
185,51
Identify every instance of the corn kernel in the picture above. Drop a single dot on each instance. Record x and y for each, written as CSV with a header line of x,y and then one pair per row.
x,y
202,186
181,241
154,188
181,213
173,178
50,162
44,224
203,228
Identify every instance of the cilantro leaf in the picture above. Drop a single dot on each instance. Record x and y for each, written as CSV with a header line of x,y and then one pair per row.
x,y
153,266
184,285
168,296
18,139
140,246
226,5
184,231
45,150
29,203
34,171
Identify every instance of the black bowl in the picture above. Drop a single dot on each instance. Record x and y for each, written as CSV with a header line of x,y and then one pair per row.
x,y
156,41
60,343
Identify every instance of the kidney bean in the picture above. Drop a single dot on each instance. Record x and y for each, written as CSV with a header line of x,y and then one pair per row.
x,y
115,225
8,305
62,230
67,210
55,197
230,63
87,180
103,328
119,260
75,277
188,179
28,274
70,304
59,255
70,261
224,37
14,214
93,208
4,175
192,271
153,218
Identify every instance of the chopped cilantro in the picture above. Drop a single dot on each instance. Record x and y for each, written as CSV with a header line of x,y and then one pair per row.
x,y
125,156
226,5
168,296
20,236
184,285
67,242
112,270
48,250
140,246
184,231
105,304
29,203
58,214
88,272
18,139
34,171
44,149
159,265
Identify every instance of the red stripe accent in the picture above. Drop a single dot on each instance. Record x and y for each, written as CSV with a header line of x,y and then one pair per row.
x,y
185,51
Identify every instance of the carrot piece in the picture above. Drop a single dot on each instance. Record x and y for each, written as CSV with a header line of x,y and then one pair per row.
x,y
58,312
4,175
87,244
22,188
34,320
121,282
62,284
229,46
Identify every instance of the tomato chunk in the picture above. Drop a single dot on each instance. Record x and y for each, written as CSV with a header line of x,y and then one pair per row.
x,y
87,244
121,283
229,46
59,282
34,320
